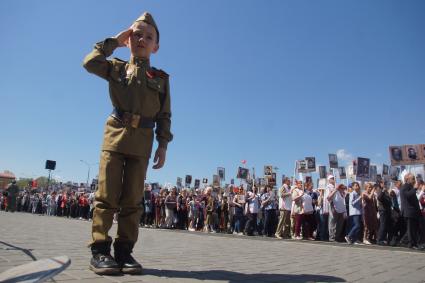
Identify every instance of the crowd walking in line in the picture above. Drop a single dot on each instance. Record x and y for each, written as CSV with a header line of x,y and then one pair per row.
x,y
369,213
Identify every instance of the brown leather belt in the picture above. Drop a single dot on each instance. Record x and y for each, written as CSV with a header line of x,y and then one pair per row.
x,y
133,120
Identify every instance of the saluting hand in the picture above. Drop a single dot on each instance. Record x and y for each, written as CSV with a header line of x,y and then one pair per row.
x,y
159,158
123,37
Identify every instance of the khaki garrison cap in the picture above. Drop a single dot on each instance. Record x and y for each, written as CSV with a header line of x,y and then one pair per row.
x,y
147,18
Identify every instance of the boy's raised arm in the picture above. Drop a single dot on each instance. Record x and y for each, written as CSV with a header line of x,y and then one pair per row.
x,y
96,61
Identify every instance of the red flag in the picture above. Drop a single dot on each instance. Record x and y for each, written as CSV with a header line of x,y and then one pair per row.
x,y
243,161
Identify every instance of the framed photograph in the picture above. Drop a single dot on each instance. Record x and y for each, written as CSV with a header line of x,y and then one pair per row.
x,y
311,164
271,180
242,173
216,181
268,170
188,180
333,160
419,178
363,168
179,182
283,178
197,183
302,166
394,173
412,154
385,170
205,181
232,181
396,155
221,173
322,172
342,173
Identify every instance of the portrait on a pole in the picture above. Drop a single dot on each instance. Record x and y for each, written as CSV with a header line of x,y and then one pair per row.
x,y
394,173
322,172
396,155
221,173
302,166
188,180
242,173
342,173
363,168
412,154
311,164
333,161
268,170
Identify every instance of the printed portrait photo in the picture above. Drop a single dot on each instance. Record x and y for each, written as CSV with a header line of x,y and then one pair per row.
x,y
396,155
268,170
333,160
363,168
342,173
302,166
311,164
322,172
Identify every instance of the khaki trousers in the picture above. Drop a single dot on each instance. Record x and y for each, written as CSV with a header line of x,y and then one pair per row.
x,y
120,190
284,226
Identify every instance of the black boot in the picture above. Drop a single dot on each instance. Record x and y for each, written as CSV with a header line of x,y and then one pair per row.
x,y
124,259
102,262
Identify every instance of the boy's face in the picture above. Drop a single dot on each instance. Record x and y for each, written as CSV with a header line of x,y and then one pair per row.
x,y
143,40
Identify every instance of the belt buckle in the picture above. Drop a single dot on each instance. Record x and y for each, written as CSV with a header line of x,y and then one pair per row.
x,y
135,120
126,119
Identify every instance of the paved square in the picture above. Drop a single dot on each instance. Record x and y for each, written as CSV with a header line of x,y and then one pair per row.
x,y
180,256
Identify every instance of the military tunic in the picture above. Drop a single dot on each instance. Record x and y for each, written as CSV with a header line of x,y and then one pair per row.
x,y
139,89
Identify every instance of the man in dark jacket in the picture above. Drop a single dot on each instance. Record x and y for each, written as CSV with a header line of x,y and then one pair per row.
x,y
384,210
410,209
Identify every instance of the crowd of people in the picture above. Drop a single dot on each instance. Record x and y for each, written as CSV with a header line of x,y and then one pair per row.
x,y
369,213
67,202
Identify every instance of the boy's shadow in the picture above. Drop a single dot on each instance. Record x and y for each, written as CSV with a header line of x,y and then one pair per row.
x,y
233,277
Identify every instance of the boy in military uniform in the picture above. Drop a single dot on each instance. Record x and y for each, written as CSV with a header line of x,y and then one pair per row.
x,y
140,95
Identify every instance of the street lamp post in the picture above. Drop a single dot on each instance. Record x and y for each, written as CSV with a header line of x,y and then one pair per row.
x,y
88,171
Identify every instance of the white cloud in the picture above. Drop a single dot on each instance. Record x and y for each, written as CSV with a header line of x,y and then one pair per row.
x,y
344,156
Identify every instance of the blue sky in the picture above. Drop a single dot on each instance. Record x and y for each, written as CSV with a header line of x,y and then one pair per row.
x,y
265,81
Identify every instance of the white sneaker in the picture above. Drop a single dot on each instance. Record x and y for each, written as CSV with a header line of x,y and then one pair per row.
x,y
366,242
348,240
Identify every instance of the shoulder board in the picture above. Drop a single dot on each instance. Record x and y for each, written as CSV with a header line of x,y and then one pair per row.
x,y
160,73
118,63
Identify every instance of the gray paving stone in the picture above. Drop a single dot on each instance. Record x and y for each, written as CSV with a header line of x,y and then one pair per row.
x,y
178,256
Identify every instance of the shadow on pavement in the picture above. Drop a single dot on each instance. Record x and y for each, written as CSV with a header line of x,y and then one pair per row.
x,y
25,251
233,277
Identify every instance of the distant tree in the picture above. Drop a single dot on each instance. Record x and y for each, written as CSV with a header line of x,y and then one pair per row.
x,y
42,181
23,182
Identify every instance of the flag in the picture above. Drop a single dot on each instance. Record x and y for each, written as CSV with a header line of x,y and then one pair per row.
x,y
243,161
